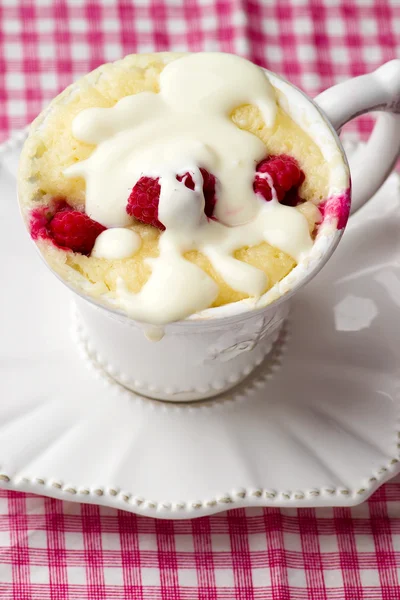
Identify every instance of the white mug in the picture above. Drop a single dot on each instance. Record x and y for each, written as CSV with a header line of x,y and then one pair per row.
x,y
208,354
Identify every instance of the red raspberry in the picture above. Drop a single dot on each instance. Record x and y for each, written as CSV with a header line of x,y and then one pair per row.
x,y
286,175
40,217
143,202
74,230
145,196
209,181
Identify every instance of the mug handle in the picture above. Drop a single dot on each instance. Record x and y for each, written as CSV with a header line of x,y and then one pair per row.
x,y
377,91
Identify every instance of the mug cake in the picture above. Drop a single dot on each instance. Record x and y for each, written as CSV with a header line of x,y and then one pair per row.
x,y
164,185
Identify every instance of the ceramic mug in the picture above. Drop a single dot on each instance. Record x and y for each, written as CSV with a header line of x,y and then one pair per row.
x,y
213,351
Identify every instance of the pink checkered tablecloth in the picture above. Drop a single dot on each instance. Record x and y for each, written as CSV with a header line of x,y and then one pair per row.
x,y
60,550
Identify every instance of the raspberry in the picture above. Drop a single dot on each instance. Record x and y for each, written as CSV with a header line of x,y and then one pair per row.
x,y
40,218
208,189
74,230
145,196
286,175
143,202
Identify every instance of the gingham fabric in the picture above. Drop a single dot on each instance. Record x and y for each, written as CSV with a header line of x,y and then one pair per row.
x,y
64,551
47,44
53,550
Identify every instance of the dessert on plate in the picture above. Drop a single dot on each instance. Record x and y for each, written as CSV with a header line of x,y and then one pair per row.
x,y
163,185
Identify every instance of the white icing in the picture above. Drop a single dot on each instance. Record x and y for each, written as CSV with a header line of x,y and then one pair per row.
x,y
154,333
177,286
185,126
116,243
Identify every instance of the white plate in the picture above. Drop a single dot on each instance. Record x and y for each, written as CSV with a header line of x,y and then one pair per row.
x,y
319,429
